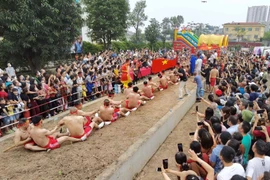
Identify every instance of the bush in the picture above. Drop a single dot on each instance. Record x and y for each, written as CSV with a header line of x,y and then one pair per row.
x,y
92,48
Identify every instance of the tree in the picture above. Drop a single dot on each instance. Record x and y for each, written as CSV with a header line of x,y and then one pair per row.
x,y
266,36
137,18
176,21
166,29
37,31
240,33
107,19
152,32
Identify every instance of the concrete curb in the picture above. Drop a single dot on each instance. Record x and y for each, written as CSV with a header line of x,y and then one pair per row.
x,y
135,158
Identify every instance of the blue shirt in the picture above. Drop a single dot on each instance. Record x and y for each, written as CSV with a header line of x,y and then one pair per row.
x,y
214,158
253,96
242,90
198,81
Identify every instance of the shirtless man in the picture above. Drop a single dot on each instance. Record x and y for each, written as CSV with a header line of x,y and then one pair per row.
x,y
153,85
76,126
133,100
213,77
45,138
163,82
173,77
89,117
110,114
129,89
147,90
22,136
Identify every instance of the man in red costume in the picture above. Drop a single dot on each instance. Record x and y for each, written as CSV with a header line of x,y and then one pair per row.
x,y
125,77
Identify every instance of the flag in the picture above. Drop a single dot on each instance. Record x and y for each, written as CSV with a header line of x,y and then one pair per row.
x,y
161,64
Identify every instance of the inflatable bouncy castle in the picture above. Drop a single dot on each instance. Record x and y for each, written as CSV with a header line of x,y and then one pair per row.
x,y
184,40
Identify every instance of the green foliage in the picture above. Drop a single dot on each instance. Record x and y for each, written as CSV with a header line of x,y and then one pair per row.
x,y
107,19
166,29
152,32
266,36
37,31
176,21
137,18
92,48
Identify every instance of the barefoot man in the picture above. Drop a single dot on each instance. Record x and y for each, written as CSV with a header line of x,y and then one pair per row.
x,y
213,77
147,90
173,77
45,138
152,84
133,100
89,117
163,82
109,114
129,89
76,127
22,136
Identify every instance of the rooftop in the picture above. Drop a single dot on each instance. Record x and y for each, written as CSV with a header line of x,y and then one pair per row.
x,y
244,23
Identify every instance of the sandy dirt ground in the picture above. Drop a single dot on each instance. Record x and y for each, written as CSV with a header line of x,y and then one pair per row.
x,y
86,160
169,148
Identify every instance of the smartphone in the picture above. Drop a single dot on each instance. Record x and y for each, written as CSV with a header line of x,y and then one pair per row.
x,y
260,111
200,123
158,169
165,163
258,128
191,133
197,108
180,147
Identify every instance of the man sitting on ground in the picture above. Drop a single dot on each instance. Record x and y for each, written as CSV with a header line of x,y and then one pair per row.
x,y
129,89
147,90
133,99
163,82
89,116
173,79
153,85
76,126
22,136
45,138
109,114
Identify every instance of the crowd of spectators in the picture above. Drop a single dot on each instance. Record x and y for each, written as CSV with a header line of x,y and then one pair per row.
x,y
47,93
231,140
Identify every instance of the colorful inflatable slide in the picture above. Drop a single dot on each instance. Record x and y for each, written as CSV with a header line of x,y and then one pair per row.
x,y
184,39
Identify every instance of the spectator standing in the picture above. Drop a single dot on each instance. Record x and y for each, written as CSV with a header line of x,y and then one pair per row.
x,y
183,81
10,71
198,81
244,128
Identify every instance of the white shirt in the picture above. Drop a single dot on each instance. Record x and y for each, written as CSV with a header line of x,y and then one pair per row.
x,y
79,81
257,166
233,129
228,172
198,64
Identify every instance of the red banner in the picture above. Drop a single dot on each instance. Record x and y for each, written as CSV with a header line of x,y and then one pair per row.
x,y
161,64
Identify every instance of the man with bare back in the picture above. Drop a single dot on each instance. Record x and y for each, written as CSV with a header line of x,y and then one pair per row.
x,y
110,114
153,85
147,90
89,117
129,89
76,126
173,79
163,82
133,100
213,77
45,138
22,136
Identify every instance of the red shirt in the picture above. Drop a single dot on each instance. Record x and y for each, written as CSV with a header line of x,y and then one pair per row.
x,y
3,94
260,134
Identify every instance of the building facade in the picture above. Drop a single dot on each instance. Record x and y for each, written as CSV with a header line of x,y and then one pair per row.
x,y
244,31
259,14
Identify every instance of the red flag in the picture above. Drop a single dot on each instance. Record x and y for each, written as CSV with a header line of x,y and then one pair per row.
x,y
161,64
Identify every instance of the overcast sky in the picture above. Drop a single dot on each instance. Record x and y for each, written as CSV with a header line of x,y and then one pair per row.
x,y
214,12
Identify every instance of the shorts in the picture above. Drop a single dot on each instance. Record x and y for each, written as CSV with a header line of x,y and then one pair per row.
x,y
30,142
161,87
153,90
52,144
139,103
89,121
213,81
6,120
115,116
87,132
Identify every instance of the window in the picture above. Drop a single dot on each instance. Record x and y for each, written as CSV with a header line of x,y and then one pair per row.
x,y
257,29
227,29
243,29
256,36
248,37
249,29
